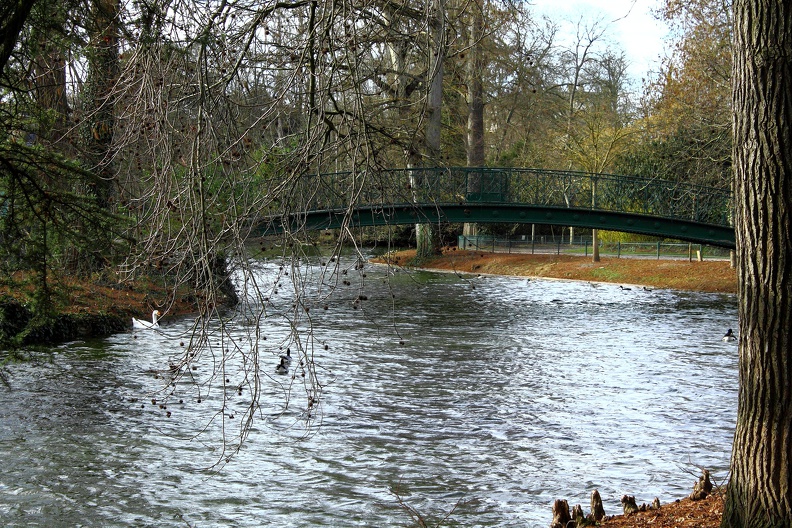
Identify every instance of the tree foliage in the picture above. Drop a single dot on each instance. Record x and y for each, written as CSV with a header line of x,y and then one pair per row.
x,y
685,130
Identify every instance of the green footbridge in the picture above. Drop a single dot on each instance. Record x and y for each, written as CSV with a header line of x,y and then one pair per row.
x,y
648,206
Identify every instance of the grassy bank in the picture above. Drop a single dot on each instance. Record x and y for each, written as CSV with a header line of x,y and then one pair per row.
x,y
705,276
83,308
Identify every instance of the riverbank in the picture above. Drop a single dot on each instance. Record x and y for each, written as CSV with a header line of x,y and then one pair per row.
x,y
84,309
704,276
684,513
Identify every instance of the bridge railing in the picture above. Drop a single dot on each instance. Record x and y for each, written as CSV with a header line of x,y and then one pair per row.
x,y
464,185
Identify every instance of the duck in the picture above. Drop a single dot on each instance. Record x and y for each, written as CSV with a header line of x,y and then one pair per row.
x,y
139,323
625,289
729,336
287,358
282,368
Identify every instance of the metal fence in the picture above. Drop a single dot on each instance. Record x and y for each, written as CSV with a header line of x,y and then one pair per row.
x,y
582,245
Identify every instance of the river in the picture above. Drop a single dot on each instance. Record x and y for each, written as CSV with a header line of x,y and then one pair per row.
x,y
491,396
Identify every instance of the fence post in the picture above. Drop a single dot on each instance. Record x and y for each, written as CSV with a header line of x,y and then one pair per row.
x,y
690,252
618,251
585,252
658,250
532,245
558,252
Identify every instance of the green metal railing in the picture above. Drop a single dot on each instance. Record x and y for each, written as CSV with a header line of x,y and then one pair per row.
x,y
514,186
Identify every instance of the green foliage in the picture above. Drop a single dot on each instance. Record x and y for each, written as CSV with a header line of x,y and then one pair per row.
x,y
696,156
47,225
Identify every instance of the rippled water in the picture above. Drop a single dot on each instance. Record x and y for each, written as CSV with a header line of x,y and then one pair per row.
x,y
505,395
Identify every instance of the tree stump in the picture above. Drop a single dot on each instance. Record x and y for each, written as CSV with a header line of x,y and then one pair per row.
x,y
577,515
629,505
560,514
702,488
656,504
579,519
597,510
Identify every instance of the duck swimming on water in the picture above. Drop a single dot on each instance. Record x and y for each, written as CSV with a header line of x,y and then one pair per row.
x,y
282,368
287,358
729,336
139,323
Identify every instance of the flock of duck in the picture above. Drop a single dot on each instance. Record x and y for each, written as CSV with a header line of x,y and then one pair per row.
x,y
286,359
140,324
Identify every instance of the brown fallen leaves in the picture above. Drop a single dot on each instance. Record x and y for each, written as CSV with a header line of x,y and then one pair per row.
x,y
684,513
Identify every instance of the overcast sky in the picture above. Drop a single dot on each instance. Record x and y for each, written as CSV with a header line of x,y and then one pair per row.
x,y
631,25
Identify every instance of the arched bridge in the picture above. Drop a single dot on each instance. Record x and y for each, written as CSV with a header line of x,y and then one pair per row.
x,y
647,206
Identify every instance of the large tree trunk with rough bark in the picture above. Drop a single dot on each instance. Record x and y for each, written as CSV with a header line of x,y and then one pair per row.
x,y
759,493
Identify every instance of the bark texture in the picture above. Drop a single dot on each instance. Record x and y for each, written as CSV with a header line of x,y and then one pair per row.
x,y
475,102
759,493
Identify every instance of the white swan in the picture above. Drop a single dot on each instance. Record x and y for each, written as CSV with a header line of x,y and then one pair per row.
x,y
729,336
139,323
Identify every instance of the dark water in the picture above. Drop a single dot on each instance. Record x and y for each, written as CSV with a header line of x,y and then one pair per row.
x,y
505,395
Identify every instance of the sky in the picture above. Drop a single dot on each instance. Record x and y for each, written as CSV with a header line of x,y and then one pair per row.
x,y
631,25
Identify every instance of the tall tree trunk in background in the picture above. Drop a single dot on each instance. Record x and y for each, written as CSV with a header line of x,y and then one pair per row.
x,y
99,98
435,75
50,82
426,245
595,255
759,493
475,102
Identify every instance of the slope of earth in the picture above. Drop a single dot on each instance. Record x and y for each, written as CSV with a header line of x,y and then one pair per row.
x,y
705,276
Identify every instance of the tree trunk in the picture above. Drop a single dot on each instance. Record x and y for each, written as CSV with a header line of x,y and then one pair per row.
x,y
50,80
759,493
594,232
595,256
435,74
100,97
426,244
475,102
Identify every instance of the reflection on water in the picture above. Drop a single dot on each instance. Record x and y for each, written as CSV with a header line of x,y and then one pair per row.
x,y
501,394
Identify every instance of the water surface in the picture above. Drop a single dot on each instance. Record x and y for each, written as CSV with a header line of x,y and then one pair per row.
x,y
497,395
